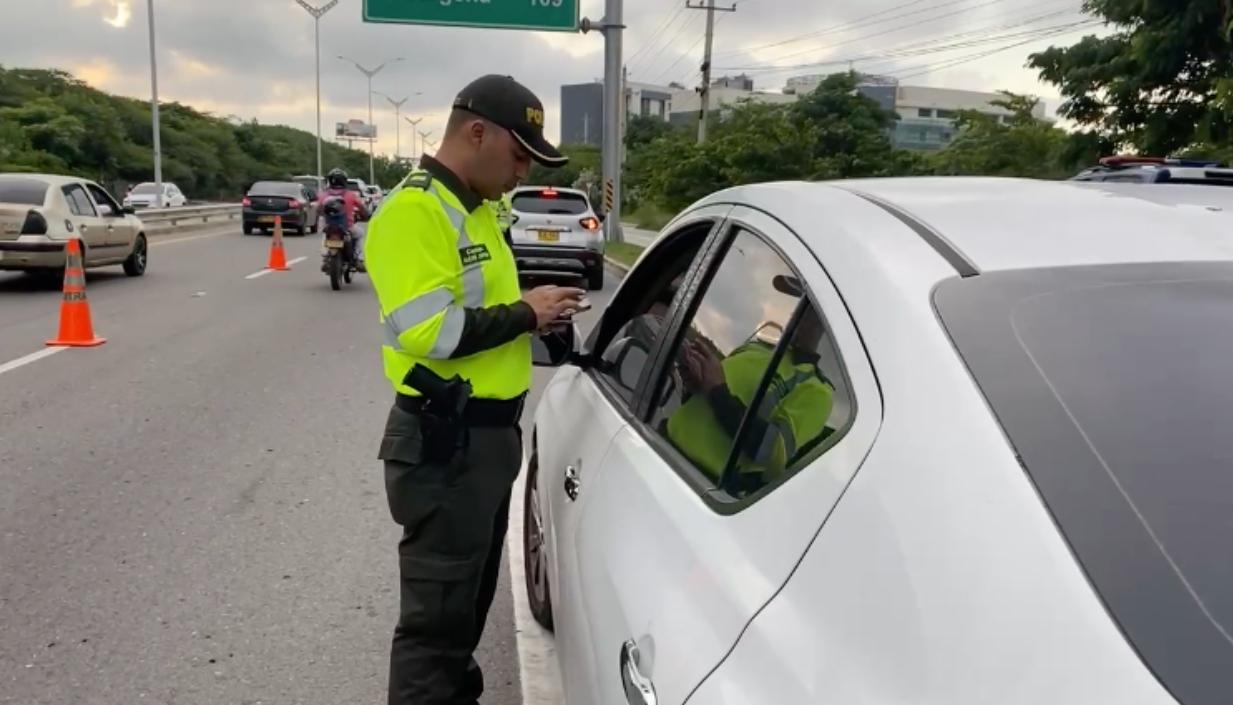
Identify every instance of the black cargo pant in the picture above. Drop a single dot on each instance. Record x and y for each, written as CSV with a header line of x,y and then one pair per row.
x,y
454,517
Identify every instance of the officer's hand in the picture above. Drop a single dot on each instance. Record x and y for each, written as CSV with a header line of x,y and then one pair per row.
x,y
551,302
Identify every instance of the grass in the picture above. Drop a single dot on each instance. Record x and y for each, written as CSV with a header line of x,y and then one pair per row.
x,y
623,252
648,217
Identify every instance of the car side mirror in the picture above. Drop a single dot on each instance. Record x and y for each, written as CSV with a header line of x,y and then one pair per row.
x,y
556,347
128,210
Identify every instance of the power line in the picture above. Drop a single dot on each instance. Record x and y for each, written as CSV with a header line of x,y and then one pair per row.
x,y
938,44
650,62
927,69
857,23
658,30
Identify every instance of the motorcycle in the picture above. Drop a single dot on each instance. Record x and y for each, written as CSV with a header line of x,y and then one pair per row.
x,y
339,261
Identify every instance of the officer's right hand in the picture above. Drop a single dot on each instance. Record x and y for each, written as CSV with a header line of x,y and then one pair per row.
x,y
551,302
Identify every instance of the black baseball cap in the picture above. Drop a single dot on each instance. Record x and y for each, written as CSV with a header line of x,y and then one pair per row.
x,y
506,102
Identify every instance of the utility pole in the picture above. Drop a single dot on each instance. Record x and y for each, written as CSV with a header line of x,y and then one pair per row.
x,y
317,12
612,26
372,178
424,143
158,145
704,112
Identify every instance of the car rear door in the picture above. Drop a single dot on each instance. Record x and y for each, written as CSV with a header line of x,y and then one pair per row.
x,y
87,223
691,529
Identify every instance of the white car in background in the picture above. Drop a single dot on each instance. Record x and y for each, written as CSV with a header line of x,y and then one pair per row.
x,y
40,213
145,195
992,465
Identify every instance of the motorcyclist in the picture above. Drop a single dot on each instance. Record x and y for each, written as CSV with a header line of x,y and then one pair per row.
x,y
336,187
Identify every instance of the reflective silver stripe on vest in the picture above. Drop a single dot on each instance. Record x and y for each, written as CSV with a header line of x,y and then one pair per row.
x,y
472,275
779,430
451,333
418,310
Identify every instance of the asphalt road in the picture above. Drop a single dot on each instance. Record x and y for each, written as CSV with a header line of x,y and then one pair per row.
x,y
193,512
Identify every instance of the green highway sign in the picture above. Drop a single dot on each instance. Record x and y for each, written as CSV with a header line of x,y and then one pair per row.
x,y
550,15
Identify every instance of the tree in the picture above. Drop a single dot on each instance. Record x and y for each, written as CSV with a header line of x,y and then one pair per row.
x,y
1024,146
1162,83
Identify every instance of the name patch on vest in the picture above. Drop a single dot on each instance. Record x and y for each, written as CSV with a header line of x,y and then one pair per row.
x,y
474,255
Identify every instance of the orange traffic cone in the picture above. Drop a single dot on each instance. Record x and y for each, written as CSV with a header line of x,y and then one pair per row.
x,y
75,326
278,256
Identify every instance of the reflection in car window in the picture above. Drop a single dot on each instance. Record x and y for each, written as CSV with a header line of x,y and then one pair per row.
x,y
78,202
741,405
631,347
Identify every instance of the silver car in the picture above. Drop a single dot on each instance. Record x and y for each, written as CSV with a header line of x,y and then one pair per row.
x,y
555,231
40,213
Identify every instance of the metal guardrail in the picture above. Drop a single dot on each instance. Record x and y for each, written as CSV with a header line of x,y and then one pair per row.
x,y
187,216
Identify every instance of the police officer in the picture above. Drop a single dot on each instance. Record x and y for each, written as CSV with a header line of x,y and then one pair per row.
x,y
457,351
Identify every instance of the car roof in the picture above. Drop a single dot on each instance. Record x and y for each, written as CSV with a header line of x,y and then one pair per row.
x,y
51,179
997,223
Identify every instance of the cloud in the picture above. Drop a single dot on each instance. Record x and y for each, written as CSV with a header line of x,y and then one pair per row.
x,y
255,58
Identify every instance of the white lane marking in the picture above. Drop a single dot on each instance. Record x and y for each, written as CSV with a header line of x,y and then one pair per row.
x,y
32,357
537,655
264,272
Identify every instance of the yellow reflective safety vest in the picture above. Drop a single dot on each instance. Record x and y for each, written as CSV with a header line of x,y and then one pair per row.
x,y
795,410
429,259
505,211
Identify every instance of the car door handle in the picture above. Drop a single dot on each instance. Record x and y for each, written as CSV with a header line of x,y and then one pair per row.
x,y
573,482
638,688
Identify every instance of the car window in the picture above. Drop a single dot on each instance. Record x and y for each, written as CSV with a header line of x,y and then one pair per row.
x,y
22,191
79,203
754,386
106,204
285,189
549,202
639,317
146,189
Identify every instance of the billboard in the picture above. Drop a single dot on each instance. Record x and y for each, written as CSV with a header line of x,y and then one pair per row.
x,y
355,130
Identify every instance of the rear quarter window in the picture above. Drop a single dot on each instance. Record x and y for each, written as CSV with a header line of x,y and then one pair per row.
x,y
558,204
22,191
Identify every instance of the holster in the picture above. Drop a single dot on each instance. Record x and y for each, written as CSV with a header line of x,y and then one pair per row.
x,y
442,410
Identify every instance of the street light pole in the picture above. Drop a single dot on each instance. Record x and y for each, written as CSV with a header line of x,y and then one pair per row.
x,y
317,12
414,126
372,178
424,143
158,145
397,121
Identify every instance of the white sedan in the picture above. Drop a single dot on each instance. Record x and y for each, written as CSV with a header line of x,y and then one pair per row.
x,y
40,213
145,195
952,441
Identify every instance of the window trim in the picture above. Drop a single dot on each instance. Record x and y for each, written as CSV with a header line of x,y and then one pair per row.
x,y
110,202
715,497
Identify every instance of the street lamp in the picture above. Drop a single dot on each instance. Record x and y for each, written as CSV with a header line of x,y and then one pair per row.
x,y
397,124
372,176
158,145
317,12
414,125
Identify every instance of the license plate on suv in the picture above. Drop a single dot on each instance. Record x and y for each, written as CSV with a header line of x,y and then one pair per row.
x,y
548,235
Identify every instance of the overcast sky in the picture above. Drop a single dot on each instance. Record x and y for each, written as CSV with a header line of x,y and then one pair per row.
x,y
254,58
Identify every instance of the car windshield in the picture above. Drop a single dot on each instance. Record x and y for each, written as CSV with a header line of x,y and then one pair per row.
x,y
22,191
145,190
275,188
550,203
1115,386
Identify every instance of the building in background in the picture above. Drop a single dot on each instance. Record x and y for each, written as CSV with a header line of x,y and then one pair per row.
x,y
726,93
582,108
742,82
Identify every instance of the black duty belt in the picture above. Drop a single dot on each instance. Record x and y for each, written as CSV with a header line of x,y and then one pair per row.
x,y
479,412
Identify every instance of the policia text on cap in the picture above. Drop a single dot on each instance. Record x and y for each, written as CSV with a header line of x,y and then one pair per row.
x,y
457,350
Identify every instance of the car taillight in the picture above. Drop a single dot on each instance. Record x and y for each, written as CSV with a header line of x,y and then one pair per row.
x,y
247,201
590,223
548,193
293,204
513,218
35,224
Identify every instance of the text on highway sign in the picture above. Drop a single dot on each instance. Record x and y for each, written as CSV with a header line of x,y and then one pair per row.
x,y
551,15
